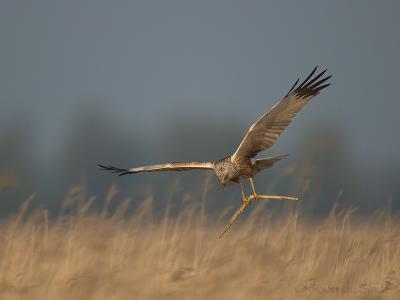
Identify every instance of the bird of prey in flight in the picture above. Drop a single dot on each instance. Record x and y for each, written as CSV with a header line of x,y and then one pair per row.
x,y
260,136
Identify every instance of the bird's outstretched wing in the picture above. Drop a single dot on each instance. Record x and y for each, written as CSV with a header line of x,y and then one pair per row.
x,y
267,129
172,166
264,163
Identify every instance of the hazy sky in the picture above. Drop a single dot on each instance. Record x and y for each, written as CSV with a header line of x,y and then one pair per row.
x,y
145,61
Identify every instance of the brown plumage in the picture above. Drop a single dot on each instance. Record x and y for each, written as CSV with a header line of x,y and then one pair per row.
x,y
260,136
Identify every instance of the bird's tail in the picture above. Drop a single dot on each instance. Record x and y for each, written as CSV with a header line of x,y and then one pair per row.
x,y
265,163
172,166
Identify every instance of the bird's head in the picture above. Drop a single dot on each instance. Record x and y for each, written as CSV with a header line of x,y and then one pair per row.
x,y
223,175
225,170
225,180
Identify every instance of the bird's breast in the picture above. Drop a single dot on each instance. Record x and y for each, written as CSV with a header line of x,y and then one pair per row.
x,y
245,168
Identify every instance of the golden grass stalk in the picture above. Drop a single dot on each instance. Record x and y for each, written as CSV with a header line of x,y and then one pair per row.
x,y
100,256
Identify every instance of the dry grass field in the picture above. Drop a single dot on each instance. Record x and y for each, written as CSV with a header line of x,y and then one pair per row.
x,y
102,256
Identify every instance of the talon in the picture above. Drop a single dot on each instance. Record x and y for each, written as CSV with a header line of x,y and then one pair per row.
x,y
247,200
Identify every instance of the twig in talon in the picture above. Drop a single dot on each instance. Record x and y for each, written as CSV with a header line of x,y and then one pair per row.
x,y
246,204
234,217
273,197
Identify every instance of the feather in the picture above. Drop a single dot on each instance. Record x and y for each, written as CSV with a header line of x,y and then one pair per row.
x,y
172,166
267,129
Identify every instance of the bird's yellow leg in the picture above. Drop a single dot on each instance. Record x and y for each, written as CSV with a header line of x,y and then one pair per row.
x,y
244,197
255,196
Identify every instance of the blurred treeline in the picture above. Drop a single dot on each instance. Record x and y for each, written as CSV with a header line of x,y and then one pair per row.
x,y
323,169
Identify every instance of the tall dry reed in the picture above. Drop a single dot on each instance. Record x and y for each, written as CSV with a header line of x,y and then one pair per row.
x,y
88,255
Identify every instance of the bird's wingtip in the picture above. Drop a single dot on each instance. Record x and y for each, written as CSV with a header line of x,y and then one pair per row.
x,y
113,169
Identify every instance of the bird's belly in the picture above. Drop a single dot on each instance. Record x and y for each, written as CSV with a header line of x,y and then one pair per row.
x,y
245,170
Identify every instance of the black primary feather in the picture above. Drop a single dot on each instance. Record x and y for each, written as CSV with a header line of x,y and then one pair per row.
x,y
310,87
113,169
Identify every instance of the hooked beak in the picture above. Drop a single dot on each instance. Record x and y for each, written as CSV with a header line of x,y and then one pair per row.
x,y
224,185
